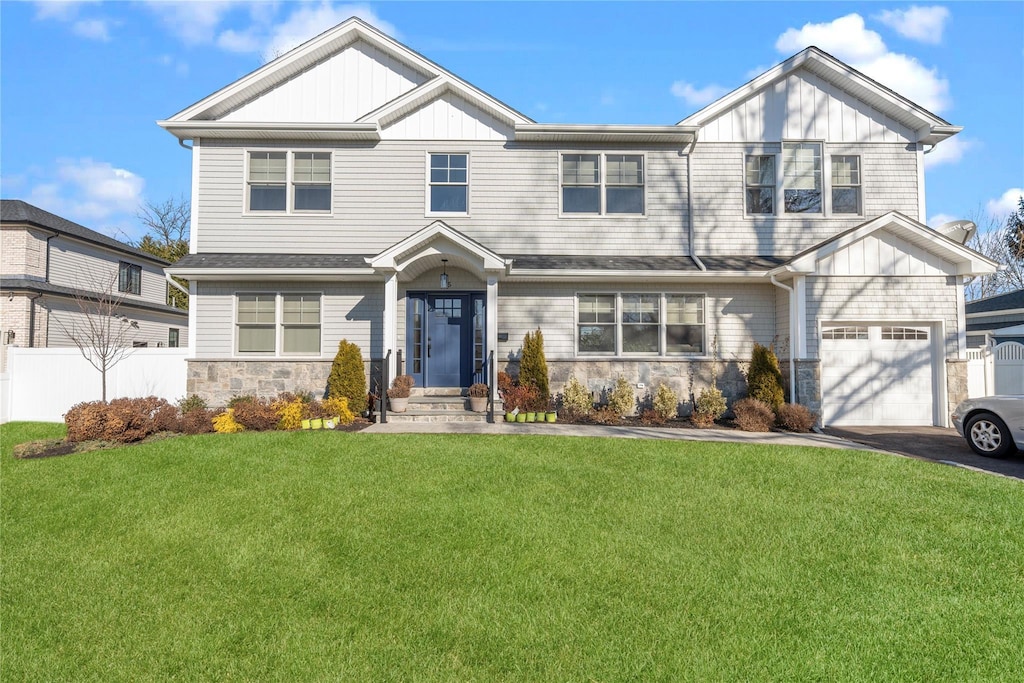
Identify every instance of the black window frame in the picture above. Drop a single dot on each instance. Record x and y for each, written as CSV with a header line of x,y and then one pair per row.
x,y
129,278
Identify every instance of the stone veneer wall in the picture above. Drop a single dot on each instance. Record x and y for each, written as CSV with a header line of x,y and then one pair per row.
x,y
808,385
218,381
956,384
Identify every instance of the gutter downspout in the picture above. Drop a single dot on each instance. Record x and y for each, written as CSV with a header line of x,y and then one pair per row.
x,y
792,340
689,202
172,283
32,321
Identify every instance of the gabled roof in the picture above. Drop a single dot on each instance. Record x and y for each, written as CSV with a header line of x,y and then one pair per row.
x,y
311,53
468,253
931,128
18,211
1001,302
967,261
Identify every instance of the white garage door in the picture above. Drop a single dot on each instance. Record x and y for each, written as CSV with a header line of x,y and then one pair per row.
x,y
877,374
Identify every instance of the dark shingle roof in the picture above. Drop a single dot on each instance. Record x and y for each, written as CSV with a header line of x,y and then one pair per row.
x,y
17,211
25,284
645,263
213,261
1002,302
742,263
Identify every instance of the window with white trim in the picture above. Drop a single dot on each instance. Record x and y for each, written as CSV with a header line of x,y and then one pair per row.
x,y
449,183
268,176
849,332
311,181
904,333
801,177
602,184
281,181
760,184
846,195
277,324
648,324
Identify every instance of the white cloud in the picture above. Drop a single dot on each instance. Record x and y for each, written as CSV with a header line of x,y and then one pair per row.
x,y
87,190
193,22
69,12
923,24
95,29
1005,205
311,20
940,218
62,10
238,41
848,39
949,151
697,97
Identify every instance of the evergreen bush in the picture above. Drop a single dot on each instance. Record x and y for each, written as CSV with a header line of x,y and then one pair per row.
x,y
710,406
622,399
533,366
348,377
577,400
666,402
764,379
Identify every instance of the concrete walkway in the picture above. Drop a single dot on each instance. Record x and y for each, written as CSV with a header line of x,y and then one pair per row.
x,y
544,429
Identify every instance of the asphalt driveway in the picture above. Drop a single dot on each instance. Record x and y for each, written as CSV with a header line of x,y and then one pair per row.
x,y
930,443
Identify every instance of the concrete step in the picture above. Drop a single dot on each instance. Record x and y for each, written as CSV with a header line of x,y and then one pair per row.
x,y
436,391
438,403
436,416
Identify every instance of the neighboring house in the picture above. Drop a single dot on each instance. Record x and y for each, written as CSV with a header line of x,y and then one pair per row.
x,y
996,319
354,189
49,264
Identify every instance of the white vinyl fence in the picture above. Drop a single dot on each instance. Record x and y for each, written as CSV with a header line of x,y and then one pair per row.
x,y
995,370
41,384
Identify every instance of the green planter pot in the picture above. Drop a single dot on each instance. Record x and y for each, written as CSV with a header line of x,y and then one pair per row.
x,y
305,424
316,423
531,417
551,417
521,417
510,417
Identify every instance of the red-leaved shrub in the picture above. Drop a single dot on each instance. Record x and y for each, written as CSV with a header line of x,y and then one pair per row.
x,y
196,421
794,417
753,415
124,420
256,415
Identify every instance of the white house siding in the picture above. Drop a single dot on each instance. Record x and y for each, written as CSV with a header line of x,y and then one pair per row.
x,y
802,106
84,266
327,94
883,253
879,298
722,227
380,198
448,118
350,311
65,318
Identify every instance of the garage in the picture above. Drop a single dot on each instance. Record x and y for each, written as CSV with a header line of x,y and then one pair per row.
x,y
878,374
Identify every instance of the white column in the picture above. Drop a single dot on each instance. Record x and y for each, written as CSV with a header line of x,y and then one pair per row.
x,y
391,319
961,320
491,314
193,303
800,315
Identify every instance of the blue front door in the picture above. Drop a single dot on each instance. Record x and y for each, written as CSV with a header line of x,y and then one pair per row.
x,y
445,338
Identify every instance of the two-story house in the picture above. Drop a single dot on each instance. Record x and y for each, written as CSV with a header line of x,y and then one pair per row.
x,y
354,189
52,267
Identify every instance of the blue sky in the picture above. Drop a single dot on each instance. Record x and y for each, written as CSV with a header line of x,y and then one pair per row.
x,y
83,82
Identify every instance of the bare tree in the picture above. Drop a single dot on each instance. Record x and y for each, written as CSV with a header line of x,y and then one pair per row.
x,y
101,332
992,240
167,225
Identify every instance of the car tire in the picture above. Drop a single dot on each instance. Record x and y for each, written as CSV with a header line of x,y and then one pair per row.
x,y
987,435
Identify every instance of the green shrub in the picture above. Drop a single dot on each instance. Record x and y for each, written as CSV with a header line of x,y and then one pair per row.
x,y
190,403
753,415
710,406
622,399
764,379
577,400
240,398
794,417
666,402
348,377
533,367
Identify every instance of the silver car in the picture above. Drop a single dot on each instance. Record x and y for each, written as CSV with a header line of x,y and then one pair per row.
x,y
992,425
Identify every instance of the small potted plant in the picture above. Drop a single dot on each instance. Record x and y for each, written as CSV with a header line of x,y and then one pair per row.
x,y
552,414
398,394
478,397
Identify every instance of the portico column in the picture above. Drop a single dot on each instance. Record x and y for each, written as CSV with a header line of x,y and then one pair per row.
x,y
492,327
800,315
391,319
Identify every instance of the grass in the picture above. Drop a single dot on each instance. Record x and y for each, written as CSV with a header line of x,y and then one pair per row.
x,y
313,556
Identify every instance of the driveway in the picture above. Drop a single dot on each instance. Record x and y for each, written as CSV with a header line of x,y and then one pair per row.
x,y
930,443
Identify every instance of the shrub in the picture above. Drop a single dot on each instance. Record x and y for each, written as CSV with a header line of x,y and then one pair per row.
x,y
478,390
576,398
133,419
710,406
196,421
764,379
533,367
606,416
622,399
348,377
289,409
520,397
338,407
666,402
240,398
401,386
702,420
505,381
257,416
753,415
794,417
652,418
225,423
86,421
190,403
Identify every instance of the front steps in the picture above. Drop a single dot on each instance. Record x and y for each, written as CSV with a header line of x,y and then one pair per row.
x,y
438,404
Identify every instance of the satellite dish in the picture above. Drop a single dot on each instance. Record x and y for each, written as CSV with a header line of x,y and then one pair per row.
x,y
958,231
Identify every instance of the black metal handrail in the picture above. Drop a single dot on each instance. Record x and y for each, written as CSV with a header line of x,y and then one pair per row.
x,y
382,385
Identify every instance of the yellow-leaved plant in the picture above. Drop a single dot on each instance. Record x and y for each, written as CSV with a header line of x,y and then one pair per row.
x,y
225,423
289,413
338,407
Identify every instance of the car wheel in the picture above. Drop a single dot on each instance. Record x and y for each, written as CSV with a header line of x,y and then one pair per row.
x,y
987,435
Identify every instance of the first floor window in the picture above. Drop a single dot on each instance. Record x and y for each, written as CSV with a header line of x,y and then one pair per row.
x,y
172,338
295,331
449,183
129,278
801,177
268,175
640,324
760,180
846,184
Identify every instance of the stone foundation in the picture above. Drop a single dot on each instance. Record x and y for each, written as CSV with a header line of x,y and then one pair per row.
x,y
808,385
956,384
218,381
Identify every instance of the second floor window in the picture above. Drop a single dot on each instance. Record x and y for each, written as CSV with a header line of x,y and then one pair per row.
x,y
268,176
311,181
801,177
289,181
129,278
449,183
760,180
603,184
846,184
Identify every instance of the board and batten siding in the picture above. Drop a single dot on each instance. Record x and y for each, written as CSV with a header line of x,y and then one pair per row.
x,y
92,268
340,89
803,106
350,311
448,118
722,226
65,320
380,198
880,298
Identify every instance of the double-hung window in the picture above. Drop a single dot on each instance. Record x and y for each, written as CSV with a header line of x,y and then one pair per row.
x,y
599,184
846,196
449,183
129,278
311,181
760,180
284,182
268,177
801,177
640,324
278,324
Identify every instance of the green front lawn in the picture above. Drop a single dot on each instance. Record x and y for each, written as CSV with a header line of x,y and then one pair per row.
x,y
360,557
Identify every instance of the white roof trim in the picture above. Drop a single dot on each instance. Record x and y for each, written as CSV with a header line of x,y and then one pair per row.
x,y
967,261
571,132
591,275
931,128
273,273
269,131
395,257
433,89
